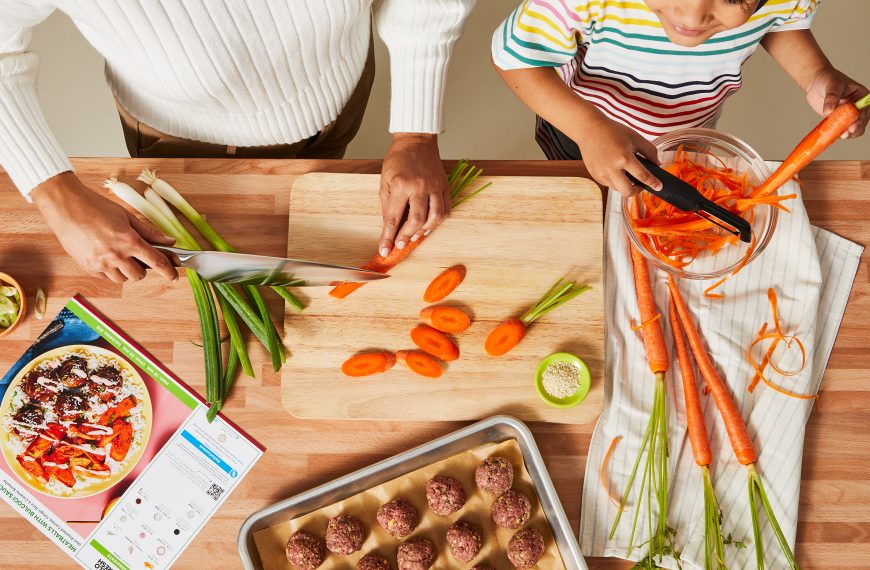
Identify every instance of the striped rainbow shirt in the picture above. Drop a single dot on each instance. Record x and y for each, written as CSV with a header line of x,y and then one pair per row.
x,y
616,55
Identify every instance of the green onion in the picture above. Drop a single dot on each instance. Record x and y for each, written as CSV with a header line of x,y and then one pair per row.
x,y
229,375
237,339
171,195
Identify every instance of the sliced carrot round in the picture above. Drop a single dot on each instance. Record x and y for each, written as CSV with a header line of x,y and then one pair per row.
x,y
420,363
444,284
504,337
434,342
368,363
446,319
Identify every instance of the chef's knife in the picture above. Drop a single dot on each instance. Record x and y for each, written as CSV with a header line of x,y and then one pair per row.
x,y
245,269
686,197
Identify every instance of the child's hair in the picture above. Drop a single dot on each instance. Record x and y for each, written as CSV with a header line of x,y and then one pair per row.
x,y
745,4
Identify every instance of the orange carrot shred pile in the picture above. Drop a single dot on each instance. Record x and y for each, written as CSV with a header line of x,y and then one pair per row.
x,y
776,337
678,238
603,471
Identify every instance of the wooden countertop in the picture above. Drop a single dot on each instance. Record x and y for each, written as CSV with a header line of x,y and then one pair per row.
x,y
834,529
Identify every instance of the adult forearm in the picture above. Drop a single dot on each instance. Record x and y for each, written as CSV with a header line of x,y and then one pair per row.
x,y
798,53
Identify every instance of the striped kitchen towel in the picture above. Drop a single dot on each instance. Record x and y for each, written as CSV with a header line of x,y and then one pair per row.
x,y
812,271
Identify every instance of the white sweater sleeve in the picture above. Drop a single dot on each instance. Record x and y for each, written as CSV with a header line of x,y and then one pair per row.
x,y
420,35
29,152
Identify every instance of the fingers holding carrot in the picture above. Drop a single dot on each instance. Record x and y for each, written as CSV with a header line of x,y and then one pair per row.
x,y
831,88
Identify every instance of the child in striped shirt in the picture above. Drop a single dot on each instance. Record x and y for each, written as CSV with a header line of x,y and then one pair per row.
x,y
627,72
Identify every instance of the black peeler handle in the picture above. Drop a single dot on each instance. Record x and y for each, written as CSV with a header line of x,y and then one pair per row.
x,y
686,197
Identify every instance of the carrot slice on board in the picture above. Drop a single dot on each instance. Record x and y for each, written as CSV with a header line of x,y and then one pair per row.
x,y
368,363
434,342
446,282
446,319
504,337
420,363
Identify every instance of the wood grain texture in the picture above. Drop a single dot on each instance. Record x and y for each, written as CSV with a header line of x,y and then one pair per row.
x,y
516,239
248,200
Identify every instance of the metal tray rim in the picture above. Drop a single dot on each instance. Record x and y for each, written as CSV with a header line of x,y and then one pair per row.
x,y
553,509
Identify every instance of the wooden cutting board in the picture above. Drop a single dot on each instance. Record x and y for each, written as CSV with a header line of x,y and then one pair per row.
x,y
515,239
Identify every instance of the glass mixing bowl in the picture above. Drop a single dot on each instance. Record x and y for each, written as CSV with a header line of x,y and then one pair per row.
x,y
743,159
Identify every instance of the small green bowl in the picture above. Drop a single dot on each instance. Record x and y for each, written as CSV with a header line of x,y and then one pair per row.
x,y
581,392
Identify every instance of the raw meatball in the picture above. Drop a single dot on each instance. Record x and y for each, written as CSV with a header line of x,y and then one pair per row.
x,y
464,540
73,373
345,534
305,550
105,383
445,495
398,517
415,554
525,548
511,510
372,562
494,475
70,405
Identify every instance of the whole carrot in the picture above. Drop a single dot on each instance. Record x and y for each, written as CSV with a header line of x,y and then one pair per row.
x,y
654,446
737,434
734,424
694,414
653,338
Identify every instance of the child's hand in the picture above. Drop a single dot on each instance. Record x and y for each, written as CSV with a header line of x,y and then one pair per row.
x,y
830,88
608,151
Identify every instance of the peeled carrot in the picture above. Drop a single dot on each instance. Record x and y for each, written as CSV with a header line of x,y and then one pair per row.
x,y
505,336
820,138
368,363
653,339
734,424
446,282
434,342
445,319
419,362
509,333
694,413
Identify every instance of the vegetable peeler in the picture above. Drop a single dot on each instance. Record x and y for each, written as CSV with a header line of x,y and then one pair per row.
x,y
687,198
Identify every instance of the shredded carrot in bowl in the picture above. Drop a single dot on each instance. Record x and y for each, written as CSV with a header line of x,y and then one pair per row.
x,y
686,243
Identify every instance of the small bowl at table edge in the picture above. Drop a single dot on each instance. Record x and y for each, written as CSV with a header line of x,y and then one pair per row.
x,y
22,307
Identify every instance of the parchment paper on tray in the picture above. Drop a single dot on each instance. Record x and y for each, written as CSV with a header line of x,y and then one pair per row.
x,y
271,541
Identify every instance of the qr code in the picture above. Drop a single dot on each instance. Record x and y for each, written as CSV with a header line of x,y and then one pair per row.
x,y
215,491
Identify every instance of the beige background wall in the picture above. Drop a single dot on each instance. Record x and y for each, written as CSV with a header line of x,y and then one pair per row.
x,y
483,118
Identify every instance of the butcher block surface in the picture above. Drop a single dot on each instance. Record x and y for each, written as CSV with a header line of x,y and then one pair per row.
x,y
516,239
248,201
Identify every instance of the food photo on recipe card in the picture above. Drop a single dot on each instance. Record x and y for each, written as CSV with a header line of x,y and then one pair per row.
x,y
108,454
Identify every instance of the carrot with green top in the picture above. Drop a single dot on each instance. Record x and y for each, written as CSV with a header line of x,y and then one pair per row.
x,y
446,319
462,176
446,282
715,541
654,445
368,363
510,332
738,435
420,363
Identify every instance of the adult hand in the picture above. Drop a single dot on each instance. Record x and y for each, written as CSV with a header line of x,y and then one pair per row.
x,y
608,150
830,88
415,195
101,236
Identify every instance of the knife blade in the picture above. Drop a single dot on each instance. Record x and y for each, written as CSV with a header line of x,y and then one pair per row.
x,y
247,269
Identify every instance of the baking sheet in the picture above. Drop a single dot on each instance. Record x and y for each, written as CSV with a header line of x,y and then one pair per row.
x,y
272,540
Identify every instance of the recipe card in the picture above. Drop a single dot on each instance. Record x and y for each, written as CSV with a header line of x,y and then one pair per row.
x,y
106,452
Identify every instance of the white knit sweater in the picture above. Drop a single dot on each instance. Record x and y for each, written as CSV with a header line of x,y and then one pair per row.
x,y
234,72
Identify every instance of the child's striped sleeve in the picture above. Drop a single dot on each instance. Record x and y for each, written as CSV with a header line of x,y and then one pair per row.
x,y
540,33
800,17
